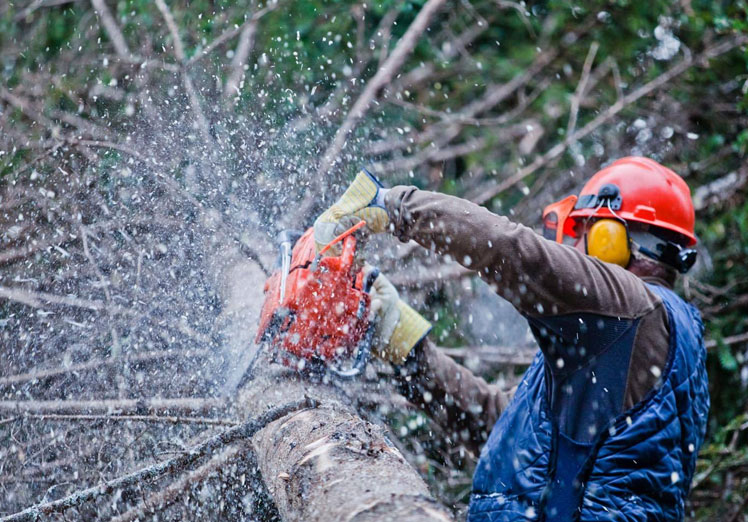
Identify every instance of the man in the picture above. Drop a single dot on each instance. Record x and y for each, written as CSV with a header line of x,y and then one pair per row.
x,y
607,421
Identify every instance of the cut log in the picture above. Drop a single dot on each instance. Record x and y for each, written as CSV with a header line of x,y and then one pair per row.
x,y
327,463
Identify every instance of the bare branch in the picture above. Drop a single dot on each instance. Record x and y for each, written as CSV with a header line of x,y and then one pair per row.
x,y
195,105
243,431
451,124
243,50
98,363
722,47
438,152
154,419
173,29
172,492
118,406
39,299
39,4
102,281
246,42
230,33
498,355
383,76
112,29
521,10
498,93
581,87
25,107
732,339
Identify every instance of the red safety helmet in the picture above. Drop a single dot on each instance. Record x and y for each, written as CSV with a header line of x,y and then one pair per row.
x,y
634,189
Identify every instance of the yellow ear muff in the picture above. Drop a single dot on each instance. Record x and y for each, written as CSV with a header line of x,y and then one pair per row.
x,y
608,240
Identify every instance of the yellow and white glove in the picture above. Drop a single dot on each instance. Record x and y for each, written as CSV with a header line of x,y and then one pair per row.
x,y
399,328
364,199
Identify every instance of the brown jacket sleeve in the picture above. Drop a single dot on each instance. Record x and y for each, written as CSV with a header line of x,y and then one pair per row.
x,y
453,396
540,277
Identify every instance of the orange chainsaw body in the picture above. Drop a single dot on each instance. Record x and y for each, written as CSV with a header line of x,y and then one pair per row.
x,y
324,310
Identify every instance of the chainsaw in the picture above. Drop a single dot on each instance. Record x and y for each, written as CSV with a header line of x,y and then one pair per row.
x,y
315,316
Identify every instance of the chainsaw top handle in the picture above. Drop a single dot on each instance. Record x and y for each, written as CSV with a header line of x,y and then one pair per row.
x,y
342,236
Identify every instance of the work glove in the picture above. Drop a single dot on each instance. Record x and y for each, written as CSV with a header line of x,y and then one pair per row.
x,y
399,328
363,200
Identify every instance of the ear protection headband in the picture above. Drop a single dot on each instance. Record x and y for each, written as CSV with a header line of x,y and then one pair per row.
x,y
609,239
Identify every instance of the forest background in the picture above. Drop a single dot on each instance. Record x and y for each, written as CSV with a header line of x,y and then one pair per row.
x,y
139,140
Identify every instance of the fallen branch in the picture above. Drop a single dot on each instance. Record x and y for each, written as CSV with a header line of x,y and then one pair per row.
x,y
383,76
98,363
112,29
114,406
733,339
722,47
39,299
579,93
243,431
201,121
430,275
154,419
499,355
172,492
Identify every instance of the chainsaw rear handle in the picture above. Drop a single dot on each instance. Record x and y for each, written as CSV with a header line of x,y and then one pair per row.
x,y
363,350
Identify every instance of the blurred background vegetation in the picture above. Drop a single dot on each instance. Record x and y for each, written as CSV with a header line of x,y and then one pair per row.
x,y
141,118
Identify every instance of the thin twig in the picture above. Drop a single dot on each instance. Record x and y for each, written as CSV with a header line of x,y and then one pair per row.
x,y
38,4
241,55
102,281
39,299
243,431
733,339
229,34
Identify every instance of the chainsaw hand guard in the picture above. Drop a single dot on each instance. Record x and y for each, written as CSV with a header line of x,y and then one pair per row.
x,y
316,308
